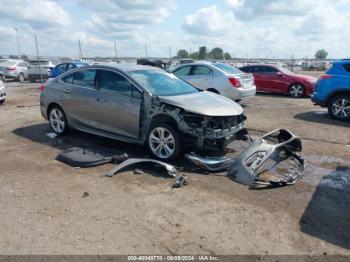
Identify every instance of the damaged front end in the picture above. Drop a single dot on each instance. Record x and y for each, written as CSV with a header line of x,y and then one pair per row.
x,y
204,131
271,160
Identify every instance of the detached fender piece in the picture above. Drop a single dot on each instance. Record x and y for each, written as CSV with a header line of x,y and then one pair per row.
x,y
131,161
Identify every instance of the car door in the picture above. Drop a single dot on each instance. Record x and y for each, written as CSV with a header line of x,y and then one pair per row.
x,y
259,78
81,98
200,76
23,68
274,81
119,104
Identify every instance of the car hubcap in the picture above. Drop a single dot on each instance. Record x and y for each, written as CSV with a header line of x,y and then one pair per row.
x,y
341,108
57,120
162,142
296,90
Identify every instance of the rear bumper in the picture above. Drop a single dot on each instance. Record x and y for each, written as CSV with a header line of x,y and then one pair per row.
x,y
241,93
319,101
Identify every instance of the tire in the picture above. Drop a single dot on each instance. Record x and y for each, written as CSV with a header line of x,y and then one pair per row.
x,y
58,120
339,108
2,101
21,77
296,90
163,141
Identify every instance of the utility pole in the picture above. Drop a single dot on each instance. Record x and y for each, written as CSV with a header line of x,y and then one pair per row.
x,y
115,51
38,56
170,54
146,50
18,44
81,54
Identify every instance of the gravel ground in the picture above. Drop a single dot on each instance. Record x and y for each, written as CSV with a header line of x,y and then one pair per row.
x,y
44,208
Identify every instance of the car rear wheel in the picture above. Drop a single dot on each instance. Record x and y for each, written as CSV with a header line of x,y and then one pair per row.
x,y
339,108
163,141
21,77
296,90
58,120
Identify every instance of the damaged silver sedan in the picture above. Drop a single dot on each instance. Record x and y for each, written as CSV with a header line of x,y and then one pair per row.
x,y
143,105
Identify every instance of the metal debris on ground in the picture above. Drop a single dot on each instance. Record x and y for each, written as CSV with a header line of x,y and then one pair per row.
x,y
86,194
85,157
182,180
131,161
271,160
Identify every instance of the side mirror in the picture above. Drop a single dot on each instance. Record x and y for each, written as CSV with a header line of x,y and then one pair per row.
x,y
279,74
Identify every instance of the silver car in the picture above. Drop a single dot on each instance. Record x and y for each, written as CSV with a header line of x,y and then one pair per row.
x,y
2,92
140,104
219,78
14,69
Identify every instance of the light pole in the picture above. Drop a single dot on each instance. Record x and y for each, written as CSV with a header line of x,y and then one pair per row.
x,y
18,44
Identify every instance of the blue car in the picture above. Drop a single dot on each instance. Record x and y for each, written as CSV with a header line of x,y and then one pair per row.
x,y
61,68
333,90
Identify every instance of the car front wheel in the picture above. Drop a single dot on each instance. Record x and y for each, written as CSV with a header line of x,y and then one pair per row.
x,y
296,90
21,77
58,120
339,108
163,141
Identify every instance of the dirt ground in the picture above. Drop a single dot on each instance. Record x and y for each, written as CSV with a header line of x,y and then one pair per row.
x,y
44,208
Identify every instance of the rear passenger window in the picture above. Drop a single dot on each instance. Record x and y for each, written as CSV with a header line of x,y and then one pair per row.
x,y
347,67
84,78
183,71
246,69
201,70
112,81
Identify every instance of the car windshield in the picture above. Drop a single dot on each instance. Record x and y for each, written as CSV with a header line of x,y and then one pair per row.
x,y
285,70
228,69
162,83
8,63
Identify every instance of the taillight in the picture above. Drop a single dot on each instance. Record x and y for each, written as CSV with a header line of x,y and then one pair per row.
x,y
11,68
42,87
325,76
235,82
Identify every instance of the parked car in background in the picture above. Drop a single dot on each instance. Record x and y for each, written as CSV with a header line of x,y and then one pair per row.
x,y
140,104
64,67
333,90
2,76
276,79
35,69
218,78
2,92
14,69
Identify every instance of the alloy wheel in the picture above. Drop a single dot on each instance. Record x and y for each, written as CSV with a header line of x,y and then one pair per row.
x,y
162,142
57,121
296,90
341,108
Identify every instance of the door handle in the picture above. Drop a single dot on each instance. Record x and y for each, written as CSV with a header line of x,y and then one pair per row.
x,y
67,90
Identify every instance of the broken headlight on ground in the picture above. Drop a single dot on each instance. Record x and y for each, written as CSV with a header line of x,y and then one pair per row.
x,y
271,160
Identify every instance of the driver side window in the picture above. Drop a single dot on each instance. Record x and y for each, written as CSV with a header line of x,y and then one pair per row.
x,y
112,81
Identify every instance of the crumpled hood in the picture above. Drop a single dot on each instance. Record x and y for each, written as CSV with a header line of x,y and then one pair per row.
x,y
204,103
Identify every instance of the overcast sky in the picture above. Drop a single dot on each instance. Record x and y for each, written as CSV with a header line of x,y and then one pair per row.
x,y
241,27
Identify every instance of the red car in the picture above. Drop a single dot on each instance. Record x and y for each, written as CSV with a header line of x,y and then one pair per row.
x,y
276,79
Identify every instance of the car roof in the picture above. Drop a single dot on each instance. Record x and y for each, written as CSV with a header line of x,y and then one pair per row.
x,y
124,67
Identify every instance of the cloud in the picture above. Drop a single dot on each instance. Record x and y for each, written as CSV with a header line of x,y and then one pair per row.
x,y
209,21
37,13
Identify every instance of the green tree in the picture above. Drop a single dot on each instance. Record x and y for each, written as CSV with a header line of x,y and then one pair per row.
x,y
13,57
202,52
182,53
194,55
217,53
227,56
321,54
